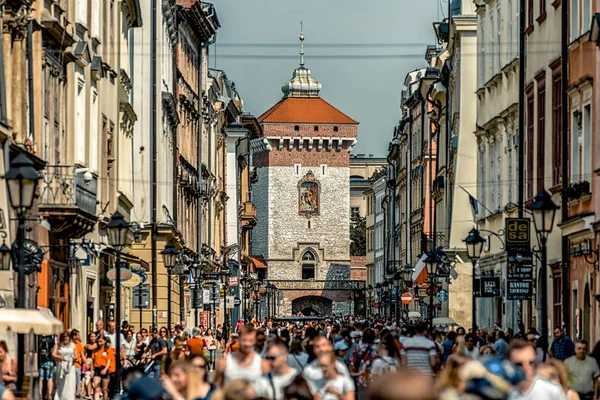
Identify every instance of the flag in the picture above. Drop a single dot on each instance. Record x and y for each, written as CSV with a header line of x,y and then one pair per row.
x,y
474,207
420,273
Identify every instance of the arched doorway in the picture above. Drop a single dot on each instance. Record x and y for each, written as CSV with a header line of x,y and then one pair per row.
x,y
312,306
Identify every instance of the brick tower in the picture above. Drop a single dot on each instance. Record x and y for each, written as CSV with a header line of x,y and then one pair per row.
x,y
302,198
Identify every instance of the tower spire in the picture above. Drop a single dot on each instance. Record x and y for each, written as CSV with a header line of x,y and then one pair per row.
x,y
301,45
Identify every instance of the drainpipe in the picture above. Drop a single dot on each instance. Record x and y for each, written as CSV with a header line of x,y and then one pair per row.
x,y
564,209
29,45
422,180
3,115
153,147
409,255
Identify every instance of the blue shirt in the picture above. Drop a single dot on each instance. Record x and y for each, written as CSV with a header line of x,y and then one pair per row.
x,y
562,348
501,348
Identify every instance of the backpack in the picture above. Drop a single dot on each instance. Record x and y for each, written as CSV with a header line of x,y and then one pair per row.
x,y
389,366
46,346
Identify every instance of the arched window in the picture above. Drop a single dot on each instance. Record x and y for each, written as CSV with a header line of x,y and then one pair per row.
x,y
308,265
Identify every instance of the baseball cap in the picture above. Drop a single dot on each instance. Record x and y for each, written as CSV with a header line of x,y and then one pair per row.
x,y
340,345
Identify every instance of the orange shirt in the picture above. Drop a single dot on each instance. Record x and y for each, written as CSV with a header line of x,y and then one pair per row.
x,y
112,368
100,357
195,346
234,346
80,354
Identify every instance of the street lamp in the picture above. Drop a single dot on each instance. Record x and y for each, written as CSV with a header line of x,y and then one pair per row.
x,y
117,230
169,256
196,270
378,292
397,278
225,273
21,181
5,254
370,291
544,211
257,285
431,262
474,243
274,292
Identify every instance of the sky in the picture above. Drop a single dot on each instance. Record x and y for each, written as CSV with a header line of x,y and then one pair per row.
x,y
360,51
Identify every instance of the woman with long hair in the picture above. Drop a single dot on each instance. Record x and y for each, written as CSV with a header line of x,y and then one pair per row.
x,y
9,367
65,353
91,346
188,380
297,358
211,346
388,359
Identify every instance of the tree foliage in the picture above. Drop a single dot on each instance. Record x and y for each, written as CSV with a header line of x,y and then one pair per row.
x,y
358,234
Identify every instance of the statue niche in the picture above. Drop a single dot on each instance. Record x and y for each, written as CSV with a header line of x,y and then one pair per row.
x,y
309,195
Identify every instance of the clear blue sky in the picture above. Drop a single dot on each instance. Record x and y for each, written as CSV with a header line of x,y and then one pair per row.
x,y
359,50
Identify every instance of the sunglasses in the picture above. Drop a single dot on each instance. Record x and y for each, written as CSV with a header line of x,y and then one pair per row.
x,y
272,358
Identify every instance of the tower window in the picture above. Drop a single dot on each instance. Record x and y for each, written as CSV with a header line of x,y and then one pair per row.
x,y
316,128
308,265
297,169
296,127
335,129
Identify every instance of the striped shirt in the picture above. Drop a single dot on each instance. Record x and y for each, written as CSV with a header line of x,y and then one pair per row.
x,y
418,350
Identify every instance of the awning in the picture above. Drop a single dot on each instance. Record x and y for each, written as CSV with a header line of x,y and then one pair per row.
x,y
414,314
259,262
26,321
444,321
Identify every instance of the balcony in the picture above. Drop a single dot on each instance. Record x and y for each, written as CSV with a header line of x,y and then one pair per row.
x,y
68,199
248,215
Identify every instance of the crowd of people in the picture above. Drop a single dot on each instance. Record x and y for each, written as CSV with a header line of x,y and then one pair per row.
x,y
340,358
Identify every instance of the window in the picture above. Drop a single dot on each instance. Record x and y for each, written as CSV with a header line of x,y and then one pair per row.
x,y
557,296
323,169
335,128
296,128
541,131
542,7
316,128
510,155
530,148
493,40
482,167
556,126
354,210
499,44
586,151
297,168
481,59
574,12
308,265
492,173
529,12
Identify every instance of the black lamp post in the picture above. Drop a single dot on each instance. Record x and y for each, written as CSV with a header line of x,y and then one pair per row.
x,y
268,300
197,277
378,293
169,256
21,181
397,278
370,291
431,262
474,243
407,282
389,284
544,211
225,273
117,230
274,292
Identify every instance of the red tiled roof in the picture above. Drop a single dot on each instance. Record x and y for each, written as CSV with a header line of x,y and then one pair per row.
x,y
313,110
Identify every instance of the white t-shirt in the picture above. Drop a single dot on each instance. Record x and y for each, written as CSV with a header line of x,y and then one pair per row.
x,y
313,372
384,365
543,389
263,387
341,384
113,339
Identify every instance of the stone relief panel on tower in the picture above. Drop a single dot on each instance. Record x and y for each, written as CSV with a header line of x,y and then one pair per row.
x,y
309,193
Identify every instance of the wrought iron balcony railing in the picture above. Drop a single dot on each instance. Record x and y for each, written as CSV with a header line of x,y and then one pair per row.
x,y
67,186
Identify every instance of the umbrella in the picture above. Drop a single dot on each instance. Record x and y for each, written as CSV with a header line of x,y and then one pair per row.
x,y
26,321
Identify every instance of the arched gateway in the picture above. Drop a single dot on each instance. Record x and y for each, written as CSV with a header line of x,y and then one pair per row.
x,y
312,306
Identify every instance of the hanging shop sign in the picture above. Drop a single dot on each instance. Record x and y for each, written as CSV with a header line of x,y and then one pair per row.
x,y
519,289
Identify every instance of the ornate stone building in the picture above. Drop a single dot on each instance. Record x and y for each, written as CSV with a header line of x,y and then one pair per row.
x,y
303,200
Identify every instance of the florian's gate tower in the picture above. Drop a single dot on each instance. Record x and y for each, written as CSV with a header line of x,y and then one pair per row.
x,y
302,198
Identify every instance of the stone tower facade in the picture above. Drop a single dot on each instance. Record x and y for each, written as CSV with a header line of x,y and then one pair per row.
x,y
302,199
